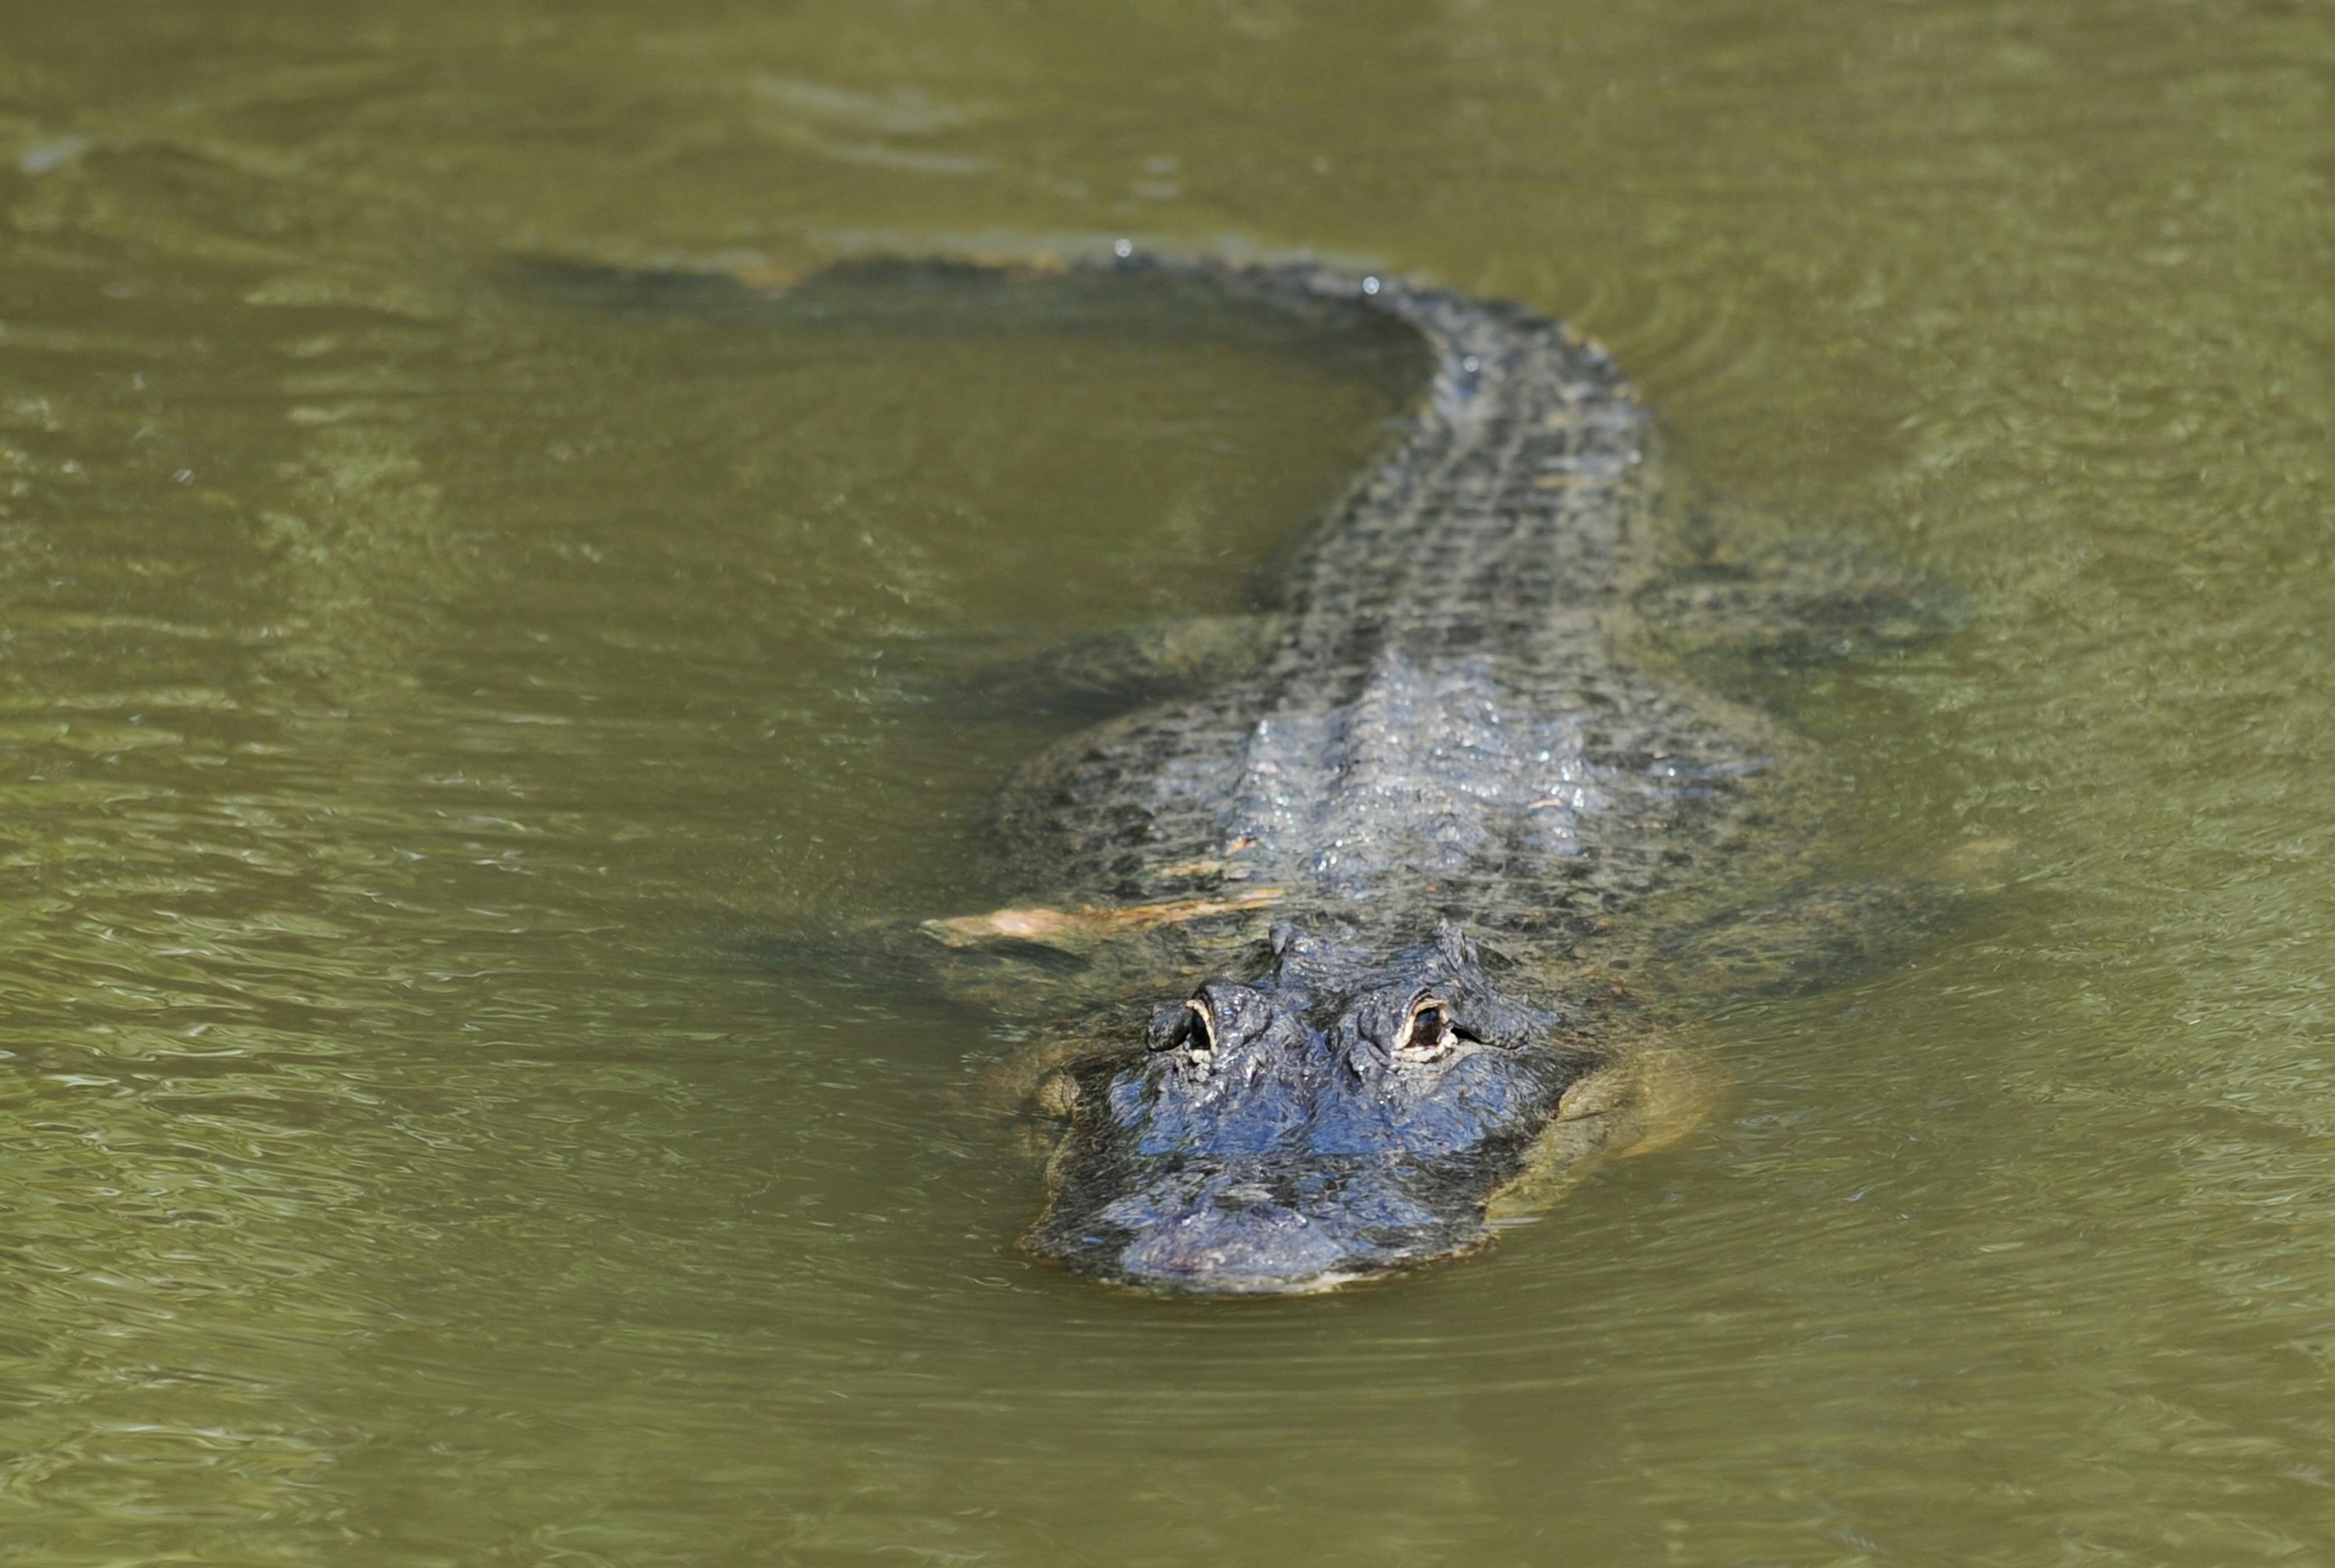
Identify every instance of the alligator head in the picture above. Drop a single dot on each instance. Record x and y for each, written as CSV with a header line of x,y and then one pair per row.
x,y
1338,1116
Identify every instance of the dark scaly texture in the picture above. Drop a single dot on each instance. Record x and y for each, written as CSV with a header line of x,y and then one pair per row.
x,y
1451,730
1446,727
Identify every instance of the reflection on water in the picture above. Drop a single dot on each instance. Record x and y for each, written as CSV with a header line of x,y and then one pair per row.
x,y
414,692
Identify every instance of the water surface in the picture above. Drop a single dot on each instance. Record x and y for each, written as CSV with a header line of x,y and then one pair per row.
x,y
414,694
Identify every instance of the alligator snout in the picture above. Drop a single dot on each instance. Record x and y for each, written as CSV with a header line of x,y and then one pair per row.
x,y
1233,1243
1274,1224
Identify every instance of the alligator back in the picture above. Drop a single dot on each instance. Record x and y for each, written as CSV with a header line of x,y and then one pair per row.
x,y
1451,721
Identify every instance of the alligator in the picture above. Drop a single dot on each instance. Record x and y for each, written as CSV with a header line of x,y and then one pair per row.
x,y
1394,854
1339,947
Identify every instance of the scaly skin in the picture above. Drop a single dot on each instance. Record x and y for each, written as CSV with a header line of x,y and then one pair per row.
x,y
1452,730
1367,940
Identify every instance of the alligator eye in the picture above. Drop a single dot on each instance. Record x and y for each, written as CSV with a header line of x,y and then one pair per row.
x,y
1427,1034
1195,1031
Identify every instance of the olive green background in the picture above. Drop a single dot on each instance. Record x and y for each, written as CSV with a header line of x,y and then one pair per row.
x,y
419,702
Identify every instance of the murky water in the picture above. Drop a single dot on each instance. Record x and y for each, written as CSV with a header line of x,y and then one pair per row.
x,y
416,694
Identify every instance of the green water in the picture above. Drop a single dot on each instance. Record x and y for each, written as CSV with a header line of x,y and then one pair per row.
x,y
413,695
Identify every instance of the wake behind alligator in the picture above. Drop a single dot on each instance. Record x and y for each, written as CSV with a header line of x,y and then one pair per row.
x,y
1321,960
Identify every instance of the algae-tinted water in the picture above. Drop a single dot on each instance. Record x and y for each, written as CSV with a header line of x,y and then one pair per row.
x,y
416,694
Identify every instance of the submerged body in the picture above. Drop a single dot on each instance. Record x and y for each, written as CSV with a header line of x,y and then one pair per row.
x,y
1359,872
1321,933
